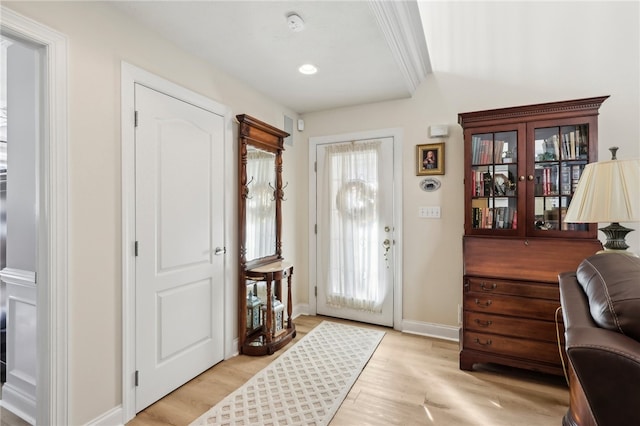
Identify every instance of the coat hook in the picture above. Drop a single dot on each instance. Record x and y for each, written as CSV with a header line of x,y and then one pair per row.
x,y
245,191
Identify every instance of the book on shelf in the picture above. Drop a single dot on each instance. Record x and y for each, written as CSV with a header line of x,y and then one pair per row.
x,y
546,181
487,181
565,180
576,172
493,218
482,151
498,148
481,183
574,144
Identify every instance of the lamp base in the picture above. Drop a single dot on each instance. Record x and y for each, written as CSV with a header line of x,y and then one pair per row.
x,y
625,252
615,237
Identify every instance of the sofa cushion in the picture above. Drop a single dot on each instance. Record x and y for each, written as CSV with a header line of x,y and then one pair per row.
x,y
611,282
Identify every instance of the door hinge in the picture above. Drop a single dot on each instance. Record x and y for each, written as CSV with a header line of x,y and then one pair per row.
x,y
135,249
135,118
315,228
315,291
315,166
136,378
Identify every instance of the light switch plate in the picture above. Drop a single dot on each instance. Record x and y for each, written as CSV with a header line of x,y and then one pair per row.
x,y
431,212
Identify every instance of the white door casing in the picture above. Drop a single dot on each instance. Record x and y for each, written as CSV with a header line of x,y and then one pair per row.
x,y
225,291
395,203
24,77
180,237
52,181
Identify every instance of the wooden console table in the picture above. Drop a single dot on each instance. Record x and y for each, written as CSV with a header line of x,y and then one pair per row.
x,y
264,340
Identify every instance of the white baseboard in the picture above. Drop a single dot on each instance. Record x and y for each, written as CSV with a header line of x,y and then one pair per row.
x,y
300,309
439,331
112,417
19,403
235,351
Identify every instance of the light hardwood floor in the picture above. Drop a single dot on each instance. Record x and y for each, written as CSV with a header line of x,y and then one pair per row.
x,y
7,418
410,380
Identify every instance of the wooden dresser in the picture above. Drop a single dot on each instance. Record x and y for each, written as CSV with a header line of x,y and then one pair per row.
x,y
510,300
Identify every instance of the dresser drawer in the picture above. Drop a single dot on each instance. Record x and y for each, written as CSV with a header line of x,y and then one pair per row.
x,y
514,288
508,326
511,346
512,306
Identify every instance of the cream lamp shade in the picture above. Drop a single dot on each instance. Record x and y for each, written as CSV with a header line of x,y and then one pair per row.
x,y
608,191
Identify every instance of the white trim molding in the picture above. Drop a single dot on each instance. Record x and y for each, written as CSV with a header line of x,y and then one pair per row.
x,y
52,298
19,390
130,75
402,27
440,331
112,417
18,276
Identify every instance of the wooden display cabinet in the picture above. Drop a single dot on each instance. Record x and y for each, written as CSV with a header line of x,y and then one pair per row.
x,y
522,165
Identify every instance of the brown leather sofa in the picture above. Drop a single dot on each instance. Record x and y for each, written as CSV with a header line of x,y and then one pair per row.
x,y
601,312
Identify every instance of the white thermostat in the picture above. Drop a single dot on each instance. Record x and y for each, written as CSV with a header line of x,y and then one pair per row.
x,y
438,131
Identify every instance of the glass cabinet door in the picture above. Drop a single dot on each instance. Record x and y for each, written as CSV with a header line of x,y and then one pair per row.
x,y
494,173
560,154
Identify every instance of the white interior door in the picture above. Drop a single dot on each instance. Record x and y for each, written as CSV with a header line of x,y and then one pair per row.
x,y
180,240
355,234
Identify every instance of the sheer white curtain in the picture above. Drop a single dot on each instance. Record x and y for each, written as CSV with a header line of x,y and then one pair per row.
x,y
261,213
348,213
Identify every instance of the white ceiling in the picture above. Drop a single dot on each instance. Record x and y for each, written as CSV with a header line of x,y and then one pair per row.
x,y
366,51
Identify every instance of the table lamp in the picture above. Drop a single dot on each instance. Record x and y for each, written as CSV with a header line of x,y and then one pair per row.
x,y
608,191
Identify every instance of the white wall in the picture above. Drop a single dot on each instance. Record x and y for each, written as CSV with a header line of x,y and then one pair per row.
x,y
490,55
99,39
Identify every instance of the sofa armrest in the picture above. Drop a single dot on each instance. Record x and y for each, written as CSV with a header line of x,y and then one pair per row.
x,y
607,365
605,362
575,306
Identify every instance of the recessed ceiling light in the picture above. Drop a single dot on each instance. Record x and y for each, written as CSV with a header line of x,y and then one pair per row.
x,y
308,69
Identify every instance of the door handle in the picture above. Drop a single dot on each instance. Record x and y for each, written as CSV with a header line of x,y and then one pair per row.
x,y
387,245
220,250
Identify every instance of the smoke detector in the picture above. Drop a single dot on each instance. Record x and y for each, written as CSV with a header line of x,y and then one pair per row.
x,y
295,22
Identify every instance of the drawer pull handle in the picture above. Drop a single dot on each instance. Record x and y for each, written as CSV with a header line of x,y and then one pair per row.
x,y
483,323
487,343
487,287
487,303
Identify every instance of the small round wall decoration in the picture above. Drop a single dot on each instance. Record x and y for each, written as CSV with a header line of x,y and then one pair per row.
x,y
429,184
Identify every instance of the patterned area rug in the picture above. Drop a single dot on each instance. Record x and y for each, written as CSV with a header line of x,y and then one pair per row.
x,y
304,386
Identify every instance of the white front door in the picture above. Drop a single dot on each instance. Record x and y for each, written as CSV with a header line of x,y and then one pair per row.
x,y
180,238
355,233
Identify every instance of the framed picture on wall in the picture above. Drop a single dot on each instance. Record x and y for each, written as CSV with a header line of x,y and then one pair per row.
x,y
430,159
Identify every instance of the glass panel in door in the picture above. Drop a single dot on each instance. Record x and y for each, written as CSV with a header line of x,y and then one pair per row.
x,y
561,153
494,168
